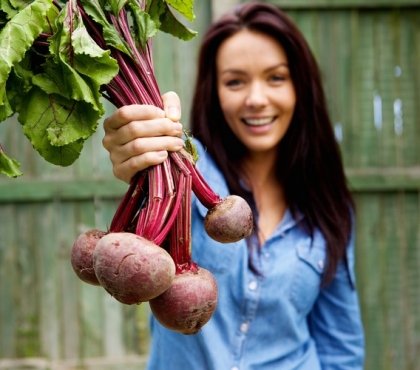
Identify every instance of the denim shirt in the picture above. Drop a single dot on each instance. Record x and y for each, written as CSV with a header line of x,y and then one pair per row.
x,y
281,319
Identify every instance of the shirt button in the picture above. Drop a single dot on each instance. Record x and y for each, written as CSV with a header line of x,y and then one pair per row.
x,y
235,368
321,264
244,327
253,285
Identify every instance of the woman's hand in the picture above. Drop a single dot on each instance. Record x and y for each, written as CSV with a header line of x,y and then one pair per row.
x,y
140,136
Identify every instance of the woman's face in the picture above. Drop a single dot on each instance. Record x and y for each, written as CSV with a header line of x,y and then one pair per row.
x,y
256,92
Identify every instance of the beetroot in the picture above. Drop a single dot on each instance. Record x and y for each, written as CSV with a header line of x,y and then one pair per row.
x,y
131,268
230,220
189,303
82,255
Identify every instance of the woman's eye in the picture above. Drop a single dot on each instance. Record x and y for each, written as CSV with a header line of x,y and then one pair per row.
x,y
233,83
278,78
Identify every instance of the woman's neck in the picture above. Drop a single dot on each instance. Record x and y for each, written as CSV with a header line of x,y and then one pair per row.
x,y
267,191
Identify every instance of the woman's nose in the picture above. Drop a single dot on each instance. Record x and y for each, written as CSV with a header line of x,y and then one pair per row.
x,y
257,96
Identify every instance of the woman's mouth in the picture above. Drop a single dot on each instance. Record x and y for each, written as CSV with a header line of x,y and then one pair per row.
x,y
261,121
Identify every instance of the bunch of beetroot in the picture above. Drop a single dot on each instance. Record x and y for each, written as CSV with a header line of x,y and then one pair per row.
x,y
145,256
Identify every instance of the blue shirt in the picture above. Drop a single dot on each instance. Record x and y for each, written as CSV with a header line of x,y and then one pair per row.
x,y
281,319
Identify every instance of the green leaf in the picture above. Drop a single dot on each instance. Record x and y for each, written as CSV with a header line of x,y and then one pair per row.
x,y
185,7
116,5
61,120
190,147
112,38
5,109
91,60
71,72
9,166
18,84
20,4
62,79
18,35
11,7
56,127
143,24
171,25
8,11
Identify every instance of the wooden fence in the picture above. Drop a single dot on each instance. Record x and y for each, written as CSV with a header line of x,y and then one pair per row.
x,y
369,53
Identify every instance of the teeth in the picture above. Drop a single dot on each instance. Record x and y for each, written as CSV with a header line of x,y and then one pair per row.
x,y
258,121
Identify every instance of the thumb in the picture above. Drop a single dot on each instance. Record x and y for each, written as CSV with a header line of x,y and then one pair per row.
x,y
172,106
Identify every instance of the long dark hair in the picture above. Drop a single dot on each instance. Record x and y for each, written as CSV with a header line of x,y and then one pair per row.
x,y
312,176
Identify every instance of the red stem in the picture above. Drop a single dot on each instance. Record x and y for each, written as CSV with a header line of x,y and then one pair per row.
x,y
154,205
174,214
201,188
127,207
180,235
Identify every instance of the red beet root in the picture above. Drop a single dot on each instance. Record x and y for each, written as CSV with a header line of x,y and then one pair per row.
x,y
188,304
131,268
230,220
82,255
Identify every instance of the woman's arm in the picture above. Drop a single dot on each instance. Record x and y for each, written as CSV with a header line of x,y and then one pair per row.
x,y
335,321
140,136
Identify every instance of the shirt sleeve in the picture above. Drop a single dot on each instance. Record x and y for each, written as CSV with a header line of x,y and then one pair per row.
x,y
335,320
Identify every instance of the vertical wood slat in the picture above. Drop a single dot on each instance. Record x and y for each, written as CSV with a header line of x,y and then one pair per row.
x,y
8,274
25,294
388,261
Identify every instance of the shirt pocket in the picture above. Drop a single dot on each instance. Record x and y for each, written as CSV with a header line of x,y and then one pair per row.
x,y
307,276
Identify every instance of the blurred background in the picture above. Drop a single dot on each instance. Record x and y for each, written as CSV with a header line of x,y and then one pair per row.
x,y
369,54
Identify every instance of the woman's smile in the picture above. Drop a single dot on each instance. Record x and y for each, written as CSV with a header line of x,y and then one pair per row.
x,y
259,121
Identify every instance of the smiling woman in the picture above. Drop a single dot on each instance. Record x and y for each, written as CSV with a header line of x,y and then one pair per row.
x,y
255,89
260,123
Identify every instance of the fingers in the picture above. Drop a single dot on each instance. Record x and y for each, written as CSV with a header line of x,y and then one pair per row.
x,y
140,136
142,146
127,169
131,113
172,106
141,129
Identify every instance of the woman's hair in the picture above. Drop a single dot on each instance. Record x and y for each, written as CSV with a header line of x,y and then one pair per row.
x,y
310,166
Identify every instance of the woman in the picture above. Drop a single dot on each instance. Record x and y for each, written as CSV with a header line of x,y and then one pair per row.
x,y
287,297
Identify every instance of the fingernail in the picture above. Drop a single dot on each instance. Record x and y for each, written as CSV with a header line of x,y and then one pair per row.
x,y
173,112
180,142
178,126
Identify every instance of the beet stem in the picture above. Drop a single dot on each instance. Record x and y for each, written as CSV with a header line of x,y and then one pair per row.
x,y
201,188
127,207
175,211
